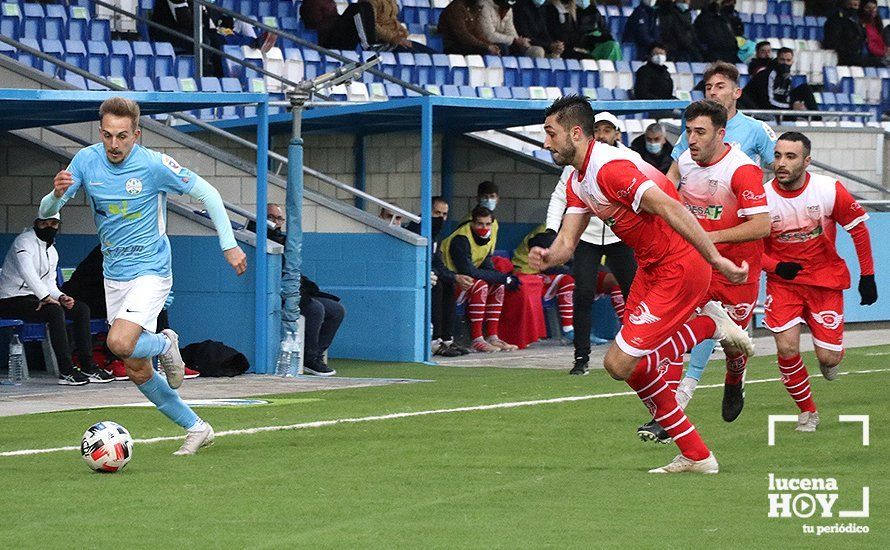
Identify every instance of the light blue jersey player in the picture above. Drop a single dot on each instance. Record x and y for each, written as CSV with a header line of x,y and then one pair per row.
x,y
758,140
126,186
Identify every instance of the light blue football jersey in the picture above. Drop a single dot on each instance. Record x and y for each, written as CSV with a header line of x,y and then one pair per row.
x,y
754,137
129,203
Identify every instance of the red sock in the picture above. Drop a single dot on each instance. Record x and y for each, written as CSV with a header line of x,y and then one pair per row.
x,y
493,310
662,404
476,307
617,301
564,301
735,369
797,382
690,334
671,371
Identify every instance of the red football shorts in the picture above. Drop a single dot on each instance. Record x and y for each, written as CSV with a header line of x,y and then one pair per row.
x,y
821,309
662,298
737,300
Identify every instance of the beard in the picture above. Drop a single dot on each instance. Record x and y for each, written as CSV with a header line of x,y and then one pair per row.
x,y
564,156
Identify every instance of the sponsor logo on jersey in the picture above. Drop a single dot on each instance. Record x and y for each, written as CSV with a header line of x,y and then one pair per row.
x,y
771,134
749,195
739,312
710,212
97,183
828,319
123,210
629,190
642,316
133,186
814,212
800,236
610,222
682,182
171,164
776,219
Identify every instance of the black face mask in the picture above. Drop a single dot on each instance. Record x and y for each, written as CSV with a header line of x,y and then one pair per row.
x,y
437,226
46,234
783,69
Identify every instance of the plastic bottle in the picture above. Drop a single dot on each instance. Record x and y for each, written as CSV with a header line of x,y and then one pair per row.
x,y
282,368
294,367
16,361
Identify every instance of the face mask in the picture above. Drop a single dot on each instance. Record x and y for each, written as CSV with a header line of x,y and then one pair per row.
x,y
583,4
437,226
491,204
651,3
659,59
483,233
781,68
46,234
654,148
682,6
539,3
728,8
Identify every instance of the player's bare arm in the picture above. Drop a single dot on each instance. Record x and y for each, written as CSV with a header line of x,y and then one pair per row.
x,y
655,201
237,259
755,228
674,172
62,182
573,226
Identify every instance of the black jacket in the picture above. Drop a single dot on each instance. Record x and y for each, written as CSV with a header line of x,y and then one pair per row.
x,y
653,82
309,290
565,29
642,29
662,160
438,264
716,35
592,25
86,283
769,89
271,234
461,256
677,32
529,22
845,35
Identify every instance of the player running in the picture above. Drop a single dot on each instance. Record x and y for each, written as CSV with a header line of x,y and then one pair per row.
x,y
642,207
126,186
723,189
805,277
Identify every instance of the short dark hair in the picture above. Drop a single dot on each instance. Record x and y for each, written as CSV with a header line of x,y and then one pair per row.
x,y
487,188
784,50
572,110
438,198
722,68
481,212
708,108
656,45
799,138
761,44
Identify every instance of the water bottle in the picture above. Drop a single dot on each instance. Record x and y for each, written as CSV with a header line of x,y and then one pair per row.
x,y
294,367
16,361
286,356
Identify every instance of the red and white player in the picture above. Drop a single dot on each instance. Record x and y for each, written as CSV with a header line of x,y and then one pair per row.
x,y
723,188
642,207
805,277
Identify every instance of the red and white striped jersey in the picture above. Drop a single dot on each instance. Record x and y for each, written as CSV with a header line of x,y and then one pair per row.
x,y
610,185
804,226
721,195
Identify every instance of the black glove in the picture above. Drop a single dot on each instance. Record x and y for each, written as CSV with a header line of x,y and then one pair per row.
x,y
512,282
788,270
867,290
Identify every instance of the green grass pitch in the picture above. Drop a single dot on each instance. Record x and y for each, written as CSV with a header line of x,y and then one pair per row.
x,y
568,474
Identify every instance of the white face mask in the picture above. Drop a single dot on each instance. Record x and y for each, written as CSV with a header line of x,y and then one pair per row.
x,y
651,3
659,59
491,204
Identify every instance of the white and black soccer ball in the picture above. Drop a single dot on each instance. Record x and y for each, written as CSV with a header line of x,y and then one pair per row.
x,y
106,447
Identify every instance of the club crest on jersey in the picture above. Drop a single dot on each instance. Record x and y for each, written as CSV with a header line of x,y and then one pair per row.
x,y
814,212
828,319
739,312
642,315
133,186
712,186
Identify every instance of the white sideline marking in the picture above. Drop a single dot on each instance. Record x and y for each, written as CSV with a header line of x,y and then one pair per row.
x,y
324,423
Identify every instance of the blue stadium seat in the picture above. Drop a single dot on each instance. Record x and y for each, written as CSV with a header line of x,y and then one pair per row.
x,y
629,51
185,66
511,70
423,70
32,21
543,154
55,49
520,92
285,8
620,94
543,73
311,63
97,58
494,62
394,91
10,25
560,74
167,84
450,90
76,80
467,91
460,74
121,59
54,28
8,50
441,69
231,85
604,94
502,92
143,59
231,68
97,29
95,86
574,73
164,59
77,25
76,54
527,76
405,69
143,84
696,95
265,8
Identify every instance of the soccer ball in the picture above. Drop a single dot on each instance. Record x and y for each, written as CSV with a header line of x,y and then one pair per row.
x,y
106,447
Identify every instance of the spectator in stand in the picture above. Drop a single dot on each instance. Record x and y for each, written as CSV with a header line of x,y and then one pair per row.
x,y
874,30
175,15
677,32
323,313
716,35
390,30
771,88
654,147
528,18
727,8
653,81
391,218
593,25
496,24
338,31
461,29
468,251
274,214
846,35
763,58
642,28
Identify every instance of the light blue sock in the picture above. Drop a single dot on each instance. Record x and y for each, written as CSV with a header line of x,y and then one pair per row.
x,y
168,401
698,358
149,344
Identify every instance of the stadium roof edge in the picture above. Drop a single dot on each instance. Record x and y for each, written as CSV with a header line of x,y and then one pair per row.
x,y
23,108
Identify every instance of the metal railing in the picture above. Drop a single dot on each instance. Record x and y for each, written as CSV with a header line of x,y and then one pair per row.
x,y
781,114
